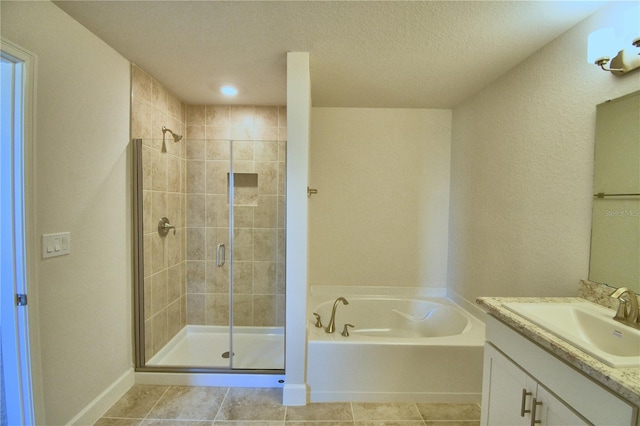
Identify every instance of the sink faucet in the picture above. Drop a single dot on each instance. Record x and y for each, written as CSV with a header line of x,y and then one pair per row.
x,y
624,315
331,327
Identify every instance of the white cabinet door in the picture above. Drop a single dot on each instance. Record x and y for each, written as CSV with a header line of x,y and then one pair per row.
x,y
508,397
507,391
552,411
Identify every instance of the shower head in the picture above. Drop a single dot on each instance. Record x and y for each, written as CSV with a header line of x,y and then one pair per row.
x,y
175,136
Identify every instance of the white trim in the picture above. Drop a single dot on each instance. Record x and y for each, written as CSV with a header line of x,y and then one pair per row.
x,y
205,379
96,408
294,394
28,317
298,127
418,397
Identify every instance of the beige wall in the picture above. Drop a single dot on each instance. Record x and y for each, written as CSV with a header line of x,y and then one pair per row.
x,y
380,215
259,151
152,107
522,171
82,185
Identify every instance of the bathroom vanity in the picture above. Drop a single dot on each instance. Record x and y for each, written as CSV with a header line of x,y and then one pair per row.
x,y
532,377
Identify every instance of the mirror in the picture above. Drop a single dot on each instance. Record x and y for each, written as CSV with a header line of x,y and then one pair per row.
x,y
615,226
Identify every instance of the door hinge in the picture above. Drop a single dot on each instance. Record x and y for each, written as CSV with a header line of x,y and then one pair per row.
x,y
21,299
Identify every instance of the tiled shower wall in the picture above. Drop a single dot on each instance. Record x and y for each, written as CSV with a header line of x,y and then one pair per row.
x,y
182,285
259,149
152,107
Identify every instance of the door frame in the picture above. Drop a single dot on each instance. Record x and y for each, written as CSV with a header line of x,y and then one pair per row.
x,y
20,339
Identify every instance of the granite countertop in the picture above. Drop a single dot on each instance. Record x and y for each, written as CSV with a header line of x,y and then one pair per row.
x,y
622,381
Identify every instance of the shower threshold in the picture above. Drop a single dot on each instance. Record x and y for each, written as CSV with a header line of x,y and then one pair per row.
x,y
208,346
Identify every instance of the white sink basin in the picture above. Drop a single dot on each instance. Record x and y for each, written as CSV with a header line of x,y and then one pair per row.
x,y
587,326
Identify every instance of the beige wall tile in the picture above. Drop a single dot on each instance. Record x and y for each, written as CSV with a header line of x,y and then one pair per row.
x,y
196,276
219,133
218,149
217,116
141,121
264,310
217,278
282,116
174,168
195,244
196,132
141,83
264,279
267,177
160,337
241,115
242,277
173,319
266,150
173,245
158,292
217,309
217,211
243,309
195,176
195,210
243,244
196,115
148,340
265,244
157,253
195,309
196,149
266,212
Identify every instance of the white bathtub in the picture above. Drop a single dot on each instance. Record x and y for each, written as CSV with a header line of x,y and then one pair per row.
x,y
406,345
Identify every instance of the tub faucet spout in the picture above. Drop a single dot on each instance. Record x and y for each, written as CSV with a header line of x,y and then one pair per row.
x,y
331,327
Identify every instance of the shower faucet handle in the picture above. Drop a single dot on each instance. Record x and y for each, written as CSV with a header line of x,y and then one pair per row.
x,y
345,330
164,226
318,320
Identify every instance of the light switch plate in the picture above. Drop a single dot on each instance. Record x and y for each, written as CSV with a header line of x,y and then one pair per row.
x,y
56,244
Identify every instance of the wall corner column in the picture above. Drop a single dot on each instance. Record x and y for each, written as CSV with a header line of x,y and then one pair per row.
x,y
298,131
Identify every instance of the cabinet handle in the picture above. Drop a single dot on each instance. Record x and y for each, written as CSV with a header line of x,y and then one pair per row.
x,y
534,406
523,403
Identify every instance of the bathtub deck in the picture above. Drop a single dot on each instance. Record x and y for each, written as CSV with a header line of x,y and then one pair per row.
x,y
204,346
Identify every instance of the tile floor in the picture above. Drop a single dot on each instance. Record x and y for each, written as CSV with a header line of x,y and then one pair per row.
x,y
147,405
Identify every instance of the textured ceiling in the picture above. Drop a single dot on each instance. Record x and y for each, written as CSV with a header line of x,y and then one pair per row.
x,y
400,54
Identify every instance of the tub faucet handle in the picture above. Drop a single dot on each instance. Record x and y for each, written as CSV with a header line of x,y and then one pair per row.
x,y
318,320
345,331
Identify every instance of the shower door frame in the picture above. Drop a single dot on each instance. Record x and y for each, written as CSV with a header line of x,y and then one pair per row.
x,y
138,281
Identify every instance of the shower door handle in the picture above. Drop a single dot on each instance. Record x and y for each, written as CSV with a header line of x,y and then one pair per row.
x,y
220,259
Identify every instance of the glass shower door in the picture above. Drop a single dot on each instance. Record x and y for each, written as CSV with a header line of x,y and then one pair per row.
x,y
257,219
210,254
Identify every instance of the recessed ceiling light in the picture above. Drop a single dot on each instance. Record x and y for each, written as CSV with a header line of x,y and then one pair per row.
x,y
229,90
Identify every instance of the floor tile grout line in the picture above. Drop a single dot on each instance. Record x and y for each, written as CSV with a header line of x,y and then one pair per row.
x,y
154,405
215,418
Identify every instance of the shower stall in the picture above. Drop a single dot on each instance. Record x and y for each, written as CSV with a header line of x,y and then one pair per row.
x,y
209,231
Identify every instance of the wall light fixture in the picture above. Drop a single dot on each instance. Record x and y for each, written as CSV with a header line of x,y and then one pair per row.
x,y
624,62
605,41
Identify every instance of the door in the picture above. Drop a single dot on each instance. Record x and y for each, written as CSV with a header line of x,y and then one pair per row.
x,y
255,253
16,400
510,397
552,411
507,391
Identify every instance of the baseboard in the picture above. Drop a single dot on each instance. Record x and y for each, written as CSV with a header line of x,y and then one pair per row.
x,y
206,379
96,408
294,394
418,397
